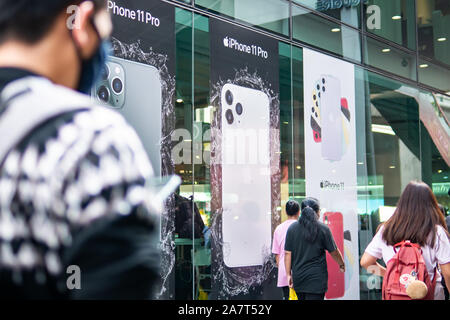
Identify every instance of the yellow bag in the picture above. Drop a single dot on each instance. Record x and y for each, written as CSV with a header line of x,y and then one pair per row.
x,y
292,294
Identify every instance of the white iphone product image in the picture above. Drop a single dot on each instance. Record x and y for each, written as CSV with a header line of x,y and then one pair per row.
x,y
135,90
330,105
246,178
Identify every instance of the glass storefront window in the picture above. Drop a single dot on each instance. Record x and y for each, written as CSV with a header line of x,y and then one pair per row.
x,y
180,281
435,134
346,11
286,126
271,15
393,20
298,132
394,149
434,75
382,56
203,115
393,158
440,178
319,32
395,124
433,20
443,102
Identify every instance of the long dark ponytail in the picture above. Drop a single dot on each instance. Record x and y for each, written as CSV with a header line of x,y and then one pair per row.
x,y
308,218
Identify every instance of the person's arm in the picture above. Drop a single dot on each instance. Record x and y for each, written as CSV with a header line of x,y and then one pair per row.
x,y
337,256
276,247
372,253
289,246
370,263
287,266
445,271
330,246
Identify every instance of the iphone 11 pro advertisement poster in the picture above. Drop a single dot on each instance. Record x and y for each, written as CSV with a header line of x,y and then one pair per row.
x,y
245,163
330,158
139,78
139,82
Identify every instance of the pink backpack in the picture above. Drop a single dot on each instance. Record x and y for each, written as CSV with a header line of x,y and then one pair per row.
x,y
406,276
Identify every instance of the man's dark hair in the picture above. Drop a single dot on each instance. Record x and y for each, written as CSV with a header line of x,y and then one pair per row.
x,y
30,20
292,208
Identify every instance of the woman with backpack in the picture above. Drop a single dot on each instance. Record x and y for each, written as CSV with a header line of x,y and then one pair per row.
x,y
412,243
307,241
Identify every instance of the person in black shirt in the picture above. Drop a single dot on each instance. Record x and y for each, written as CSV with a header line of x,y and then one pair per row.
x,y
305,258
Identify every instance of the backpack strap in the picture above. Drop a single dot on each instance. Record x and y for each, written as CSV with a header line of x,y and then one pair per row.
x,y
29,102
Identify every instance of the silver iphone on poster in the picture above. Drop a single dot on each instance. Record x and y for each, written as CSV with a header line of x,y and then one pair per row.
x,y
246,178
135,90
330,90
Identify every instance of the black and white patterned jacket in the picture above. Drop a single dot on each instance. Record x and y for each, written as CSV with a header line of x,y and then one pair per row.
x,y
72,194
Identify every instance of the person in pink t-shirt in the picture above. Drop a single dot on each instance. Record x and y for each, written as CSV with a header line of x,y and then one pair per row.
x,y
279,237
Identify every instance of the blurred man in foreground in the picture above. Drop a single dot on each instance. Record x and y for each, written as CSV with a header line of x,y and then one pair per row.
x,y
75,220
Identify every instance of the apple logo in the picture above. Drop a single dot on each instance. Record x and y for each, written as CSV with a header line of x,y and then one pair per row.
x,y
225,42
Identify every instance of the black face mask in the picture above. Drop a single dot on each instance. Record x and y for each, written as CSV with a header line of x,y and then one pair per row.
x,y
91,68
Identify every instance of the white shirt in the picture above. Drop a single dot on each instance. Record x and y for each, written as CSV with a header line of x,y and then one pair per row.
x,y
439,253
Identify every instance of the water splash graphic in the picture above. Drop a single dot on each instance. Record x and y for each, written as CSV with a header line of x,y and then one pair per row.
x,y
135,52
